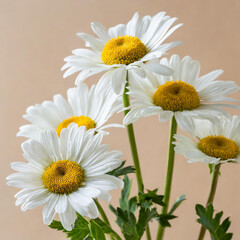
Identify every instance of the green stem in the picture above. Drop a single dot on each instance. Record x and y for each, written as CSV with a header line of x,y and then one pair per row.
x,y
102,213
133,146
168,183
212,192
131,137
105,219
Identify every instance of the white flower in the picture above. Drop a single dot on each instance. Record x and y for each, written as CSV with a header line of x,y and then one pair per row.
x,y
85,107
65,174
122,48
184,95
212,143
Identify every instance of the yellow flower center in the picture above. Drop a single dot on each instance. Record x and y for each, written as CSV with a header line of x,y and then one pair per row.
x,y
219,147
80,121
176,96
123,50
63,176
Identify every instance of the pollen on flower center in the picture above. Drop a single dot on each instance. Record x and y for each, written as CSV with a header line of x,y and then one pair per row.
x,y
80,121
176,96
123,50
219,147
63,177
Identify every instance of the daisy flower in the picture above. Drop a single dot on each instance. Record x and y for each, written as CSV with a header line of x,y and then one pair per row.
x,y
212,143
123,47
65,174
85,107
184,95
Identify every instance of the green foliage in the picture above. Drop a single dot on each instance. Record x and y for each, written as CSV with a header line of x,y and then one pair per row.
x,y
163,219
107,229
151,197
84,230
217,230
177,203
96,231
123,201
57,225
80,230
131,227
121,170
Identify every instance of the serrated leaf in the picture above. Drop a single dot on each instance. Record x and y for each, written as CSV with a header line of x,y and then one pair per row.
x,y
57,225
205,216
80,230
145,215
123,201
213,224
163,219
132,205
120,171
146,199
96,231
112,209
177,203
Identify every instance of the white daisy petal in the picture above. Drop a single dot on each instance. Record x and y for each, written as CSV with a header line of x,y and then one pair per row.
x,y
184,94
98,103
158,68
100,31
65,174
212,143
118,79
143,40
94,43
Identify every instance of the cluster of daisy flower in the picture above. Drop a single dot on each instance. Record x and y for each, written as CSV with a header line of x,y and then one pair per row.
x,y
67,165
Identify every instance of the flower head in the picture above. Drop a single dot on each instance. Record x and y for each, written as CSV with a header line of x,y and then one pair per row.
x,y
184,95
65,174
85,107
211,144
122,48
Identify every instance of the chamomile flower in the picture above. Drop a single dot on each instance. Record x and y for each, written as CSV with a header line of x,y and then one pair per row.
x,y
123,47
211,143
65,174
85,107
184,95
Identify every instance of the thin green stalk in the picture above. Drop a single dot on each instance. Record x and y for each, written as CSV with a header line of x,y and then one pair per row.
x,y
105,219
212,192
133,146
102,213
131,137
168,183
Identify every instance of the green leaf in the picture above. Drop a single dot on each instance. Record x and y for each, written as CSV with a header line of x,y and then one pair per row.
x,y
213,224
163,219
123,201
127,222
57,225
106,228
122,170
177,203
96,231
132,205
146,199
80,230
145,215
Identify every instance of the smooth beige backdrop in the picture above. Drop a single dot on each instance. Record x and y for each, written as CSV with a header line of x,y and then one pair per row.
x,y
35,36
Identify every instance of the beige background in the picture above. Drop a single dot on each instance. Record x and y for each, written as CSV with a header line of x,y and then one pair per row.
x,y
36,35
